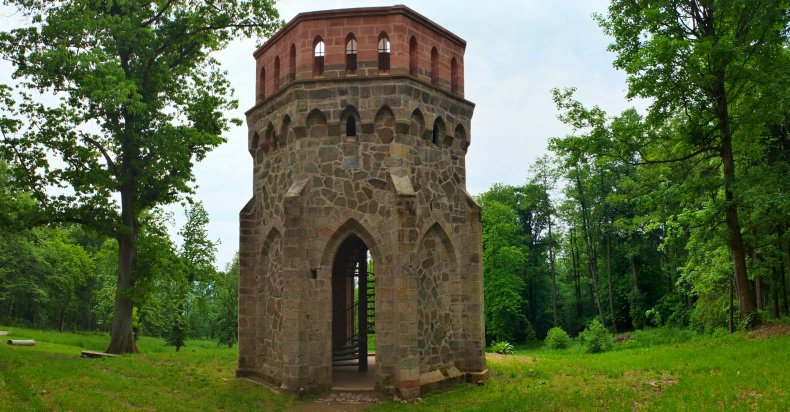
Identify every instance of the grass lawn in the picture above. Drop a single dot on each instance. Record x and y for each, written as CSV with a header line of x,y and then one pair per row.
x,y
658,369
52,376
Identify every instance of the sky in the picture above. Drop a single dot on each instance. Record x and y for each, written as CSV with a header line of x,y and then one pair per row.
x,y
517,51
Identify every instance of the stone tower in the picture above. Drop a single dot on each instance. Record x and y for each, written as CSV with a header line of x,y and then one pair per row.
x,y
360,225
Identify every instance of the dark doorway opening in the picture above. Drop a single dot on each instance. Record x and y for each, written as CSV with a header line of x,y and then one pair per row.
x,y
353,306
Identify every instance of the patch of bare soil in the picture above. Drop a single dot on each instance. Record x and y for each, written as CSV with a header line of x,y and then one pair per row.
x,y
768,330
329,406
341,401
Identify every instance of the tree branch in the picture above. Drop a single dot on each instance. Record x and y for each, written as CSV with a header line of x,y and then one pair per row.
x,y
158,15
110,162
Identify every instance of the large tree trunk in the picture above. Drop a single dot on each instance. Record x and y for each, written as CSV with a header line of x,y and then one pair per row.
x,y
775,294
577,276
633,265
63,315
590,250
784,281
731,324
609,279
121,334
758,281
746,302
553,276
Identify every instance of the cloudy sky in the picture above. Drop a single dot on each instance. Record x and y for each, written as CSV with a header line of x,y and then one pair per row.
x,y
517,51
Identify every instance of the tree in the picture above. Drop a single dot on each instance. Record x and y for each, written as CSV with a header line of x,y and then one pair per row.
x,y
140,100
502,285
197,254
545,176
228,304
68,268
722,66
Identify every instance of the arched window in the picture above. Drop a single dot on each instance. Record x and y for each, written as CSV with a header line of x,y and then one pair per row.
x,y
434,66
349,119
417,124
255,143
413,56
438,132
351,53
276,74
262,84
384,52
318,62
455,85
292,63
351,126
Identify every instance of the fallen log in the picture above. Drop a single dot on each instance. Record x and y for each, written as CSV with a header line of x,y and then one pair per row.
x,y
17,342
91,354
3,332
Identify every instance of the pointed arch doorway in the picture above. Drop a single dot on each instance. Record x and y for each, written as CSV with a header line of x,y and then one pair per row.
x,y
353,315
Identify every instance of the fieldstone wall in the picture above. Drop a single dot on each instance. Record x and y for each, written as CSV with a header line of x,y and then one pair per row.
x,y
380,157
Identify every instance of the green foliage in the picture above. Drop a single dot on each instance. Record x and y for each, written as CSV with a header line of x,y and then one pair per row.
x,y
502,348
228,304
637,310
595,338
653,317
179,331
720,333
652,337
517,278
557,338
752,320
140,100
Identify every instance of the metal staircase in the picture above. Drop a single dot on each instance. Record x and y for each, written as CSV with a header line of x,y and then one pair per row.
x,y
354,352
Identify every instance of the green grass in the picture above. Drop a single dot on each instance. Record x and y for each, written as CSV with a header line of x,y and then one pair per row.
x,y
665,369
662,368
51,376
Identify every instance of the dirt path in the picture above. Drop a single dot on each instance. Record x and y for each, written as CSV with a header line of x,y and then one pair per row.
x,y
340,402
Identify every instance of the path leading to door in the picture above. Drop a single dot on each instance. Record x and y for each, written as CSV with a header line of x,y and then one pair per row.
x,y
349,378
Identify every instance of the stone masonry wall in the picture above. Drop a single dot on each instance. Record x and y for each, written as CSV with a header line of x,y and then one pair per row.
x,y
397,183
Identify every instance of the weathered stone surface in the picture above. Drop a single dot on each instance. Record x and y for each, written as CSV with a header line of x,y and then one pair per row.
x,y
317,183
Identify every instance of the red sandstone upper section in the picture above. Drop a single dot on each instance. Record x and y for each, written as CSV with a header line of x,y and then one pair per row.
x,y
386,41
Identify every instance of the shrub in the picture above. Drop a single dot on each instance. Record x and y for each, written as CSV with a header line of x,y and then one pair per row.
x,y
557,339
502,348
179,332
752,320
720,332
653,317
595,338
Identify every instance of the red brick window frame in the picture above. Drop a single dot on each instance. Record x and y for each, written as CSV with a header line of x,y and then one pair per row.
x,y
455,79
276,74
351,53
434,66
292,62
413,56
262,80
384,52
318,56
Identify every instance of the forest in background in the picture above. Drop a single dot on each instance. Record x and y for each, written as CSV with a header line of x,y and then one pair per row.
x,y
677,216
64,277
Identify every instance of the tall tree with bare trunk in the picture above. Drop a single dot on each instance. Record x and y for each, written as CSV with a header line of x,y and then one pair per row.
x,y
138,99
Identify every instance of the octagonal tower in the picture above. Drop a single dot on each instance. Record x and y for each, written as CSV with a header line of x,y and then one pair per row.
x,y
360,226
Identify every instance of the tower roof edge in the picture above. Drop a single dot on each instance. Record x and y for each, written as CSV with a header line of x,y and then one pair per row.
x,y
360,12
